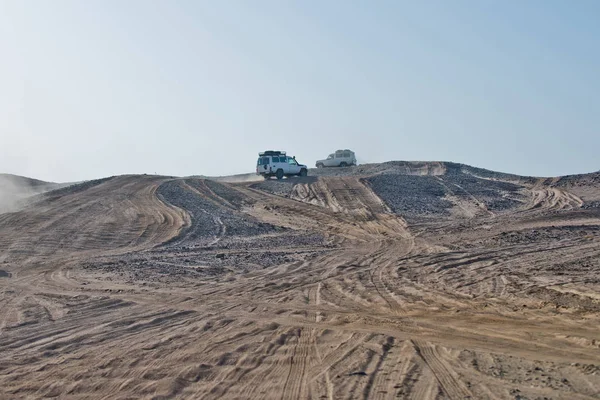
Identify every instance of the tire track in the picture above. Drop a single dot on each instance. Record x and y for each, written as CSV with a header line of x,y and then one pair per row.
x,y
311,325
295,383
448,379
390,380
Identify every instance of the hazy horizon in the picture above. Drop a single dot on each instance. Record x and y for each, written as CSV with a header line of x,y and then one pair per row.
x,y
94,89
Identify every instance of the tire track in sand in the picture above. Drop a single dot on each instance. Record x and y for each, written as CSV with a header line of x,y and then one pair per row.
x,y
448,379
295,383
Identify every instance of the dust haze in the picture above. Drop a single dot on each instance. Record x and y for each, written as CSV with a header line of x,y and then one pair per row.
x,y
240,178
15,190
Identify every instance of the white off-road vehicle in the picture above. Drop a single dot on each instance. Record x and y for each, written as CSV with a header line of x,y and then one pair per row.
x,y
278,164
341,158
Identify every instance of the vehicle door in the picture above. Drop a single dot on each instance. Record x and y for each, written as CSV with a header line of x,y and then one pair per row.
x,y
347,157
339,157
330,161
276,164
262,165
293,167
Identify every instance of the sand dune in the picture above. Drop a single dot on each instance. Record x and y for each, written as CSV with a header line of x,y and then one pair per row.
x,y
395,280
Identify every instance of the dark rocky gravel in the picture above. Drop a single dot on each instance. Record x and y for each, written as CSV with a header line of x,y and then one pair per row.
x,y
415,196
540,235
190,262
222,239
463,169
411,195
591,204
421,189
390,167
591,179
283,238
72,189
219,240
209,221
226,192
418,168
496,195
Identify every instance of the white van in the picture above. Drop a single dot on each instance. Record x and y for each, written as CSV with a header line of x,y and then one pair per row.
x,y
278,164
341,158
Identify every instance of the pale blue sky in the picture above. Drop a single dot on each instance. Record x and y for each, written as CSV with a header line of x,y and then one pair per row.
x,y
97,88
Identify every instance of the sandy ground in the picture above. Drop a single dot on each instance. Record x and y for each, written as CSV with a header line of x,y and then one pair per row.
x,y
411,281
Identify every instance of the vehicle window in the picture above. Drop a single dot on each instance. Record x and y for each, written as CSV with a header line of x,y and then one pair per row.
x,y
330,157
259,162
275,159
291,161
346,154
265,160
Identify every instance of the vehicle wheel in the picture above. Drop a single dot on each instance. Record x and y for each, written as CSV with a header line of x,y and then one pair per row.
x,y
320,165
303,172
343,164
279,174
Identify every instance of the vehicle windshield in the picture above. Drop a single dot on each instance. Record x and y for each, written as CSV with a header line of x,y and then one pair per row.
x,y
330,157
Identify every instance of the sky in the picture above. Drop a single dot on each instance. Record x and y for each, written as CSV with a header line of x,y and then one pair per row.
x,y
94,88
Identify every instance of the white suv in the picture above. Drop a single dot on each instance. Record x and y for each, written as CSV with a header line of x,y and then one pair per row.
x,y
277,163
341,158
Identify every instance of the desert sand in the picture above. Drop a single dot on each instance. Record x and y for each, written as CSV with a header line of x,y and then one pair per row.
x,y
410,280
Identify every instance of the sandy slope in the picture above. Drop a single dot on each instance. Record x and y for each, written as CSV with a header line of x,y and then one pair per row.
x,y
457,283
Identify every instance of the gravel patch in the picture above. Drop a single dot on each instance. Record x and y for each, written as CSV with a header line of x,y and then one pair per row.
x,y
209,221
416,168
72,189
462,169
411,196
591,204
539,235
415,196
390,167
586,180
220,240
226,192
171,264
496,195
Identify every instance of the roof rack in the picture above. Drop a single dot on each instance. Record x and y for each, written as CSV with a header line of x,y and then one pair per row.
x,y
272,153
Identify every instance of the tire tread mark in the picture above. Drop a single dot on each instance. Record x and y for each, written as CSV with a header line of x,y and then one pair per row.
x,y
448,379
